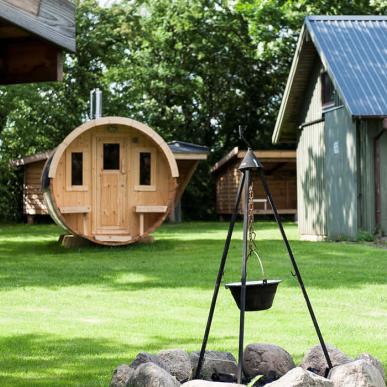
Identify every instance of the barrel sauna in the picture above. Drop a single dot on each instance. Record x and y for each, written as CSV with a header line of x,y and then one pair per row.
x,y
112,180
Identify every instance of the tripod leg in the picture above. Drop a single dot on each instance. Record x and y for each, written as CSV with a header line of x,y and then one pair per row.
x,y
219,277
243,274
295,267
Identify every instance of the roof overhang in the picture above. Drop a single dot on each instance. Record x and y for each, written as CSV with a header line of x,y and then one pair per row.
x,y
274,155
53,20
190,156
33,36
183,150
303,61
43,156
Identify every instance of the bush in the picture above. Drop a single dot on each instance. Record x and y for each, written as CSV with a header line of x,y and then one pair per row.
x,y
10,192
365,236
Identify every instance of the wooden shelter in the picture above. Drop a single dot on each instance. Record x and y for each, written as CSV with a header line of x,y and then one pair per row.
x,y
335,109
33,36
33,201
280,170
112,180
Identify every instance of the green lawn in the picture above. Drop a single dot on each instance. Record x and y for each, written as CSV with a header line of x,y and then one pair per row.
x,y
68,317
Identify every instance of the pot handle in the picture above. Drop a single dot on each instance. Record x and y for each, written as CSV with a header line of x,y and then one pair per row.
x,y
261,265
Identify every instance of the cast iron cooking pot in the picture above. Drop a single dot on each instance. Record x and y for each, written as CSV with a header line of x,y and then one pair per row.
x,y
259,294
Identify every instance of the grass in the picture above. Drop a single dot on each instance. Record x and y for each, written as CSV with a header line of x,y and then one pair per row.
x,y
68,317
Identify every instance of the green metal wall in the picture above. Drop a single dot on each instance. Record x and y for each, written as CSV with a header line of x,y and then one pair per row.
x,y
310,183
335,170
341,184
311,108
311,208
335,177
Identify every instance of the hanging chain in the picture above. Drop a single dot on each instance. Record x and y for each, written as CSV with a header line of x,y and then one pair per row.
x,y
252,247
252,234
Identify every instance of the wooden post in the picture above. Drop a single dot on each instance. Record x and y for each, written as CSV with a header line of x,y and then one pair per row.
x,y
378,200
141,224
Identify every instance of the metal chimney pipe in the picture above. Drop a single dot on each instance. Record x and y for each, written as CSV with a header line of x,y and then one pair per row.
x,y
95,104
98,103
91,114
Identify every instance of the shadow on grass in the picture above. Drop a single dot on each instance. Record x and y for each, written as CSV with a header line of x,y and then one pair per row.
x,y
175,263
48,360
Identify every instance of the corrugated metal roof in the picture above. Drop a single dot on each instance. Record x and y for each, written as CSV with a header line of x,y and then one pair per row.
x,y
354,51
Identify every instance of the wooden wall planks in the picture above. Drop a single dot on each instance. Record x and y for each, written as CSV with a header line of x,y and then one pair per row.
x,y
31,6
33,202
282,183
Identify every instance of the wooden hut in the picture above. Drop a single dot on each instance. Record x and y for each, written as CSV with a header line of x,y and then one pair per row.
x,y
33,201
33,36
334,108
112,180
280,170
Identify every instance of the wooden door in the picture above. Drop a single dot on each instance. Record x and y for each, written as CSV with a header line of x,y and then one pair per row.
x,y
111,186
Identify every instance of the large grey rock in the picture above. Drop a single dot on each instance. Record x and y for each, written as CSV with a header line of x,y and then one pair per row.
x,y
214,362
177,362
151,375
374,361
266,359
298,377
358,373
144,357
315,359
205,383
121,376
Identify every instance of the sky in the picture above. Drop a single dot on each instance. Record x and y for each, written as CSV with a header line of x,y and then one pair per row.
x,y
106,3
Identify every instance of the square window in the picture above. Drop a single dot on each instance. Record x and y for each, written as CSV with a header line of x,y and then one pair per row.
x,y
111,156
327,90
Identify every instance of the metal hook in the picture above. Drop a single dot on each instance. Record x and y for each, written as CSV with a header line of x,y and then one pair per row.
x,y
242,128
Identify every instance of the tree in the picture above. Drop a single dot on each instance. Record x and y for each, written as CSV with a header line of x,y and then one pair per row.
x,y
193,70
274,27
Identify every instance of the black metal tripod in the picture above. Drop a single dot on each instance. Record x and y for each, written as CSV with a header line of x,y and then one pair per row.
x,y
249,164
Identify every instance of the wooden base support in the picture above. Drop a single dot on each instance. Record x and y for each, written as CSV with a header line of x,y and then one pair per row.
x,y
72,241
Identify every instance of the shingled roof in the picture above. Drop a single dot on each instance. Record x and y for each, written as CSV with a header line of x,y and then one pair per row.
x,y
353,50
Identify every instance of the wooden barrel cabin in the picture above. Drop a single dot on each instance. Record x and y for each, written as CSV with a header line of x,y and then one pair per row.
x,y
112,180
